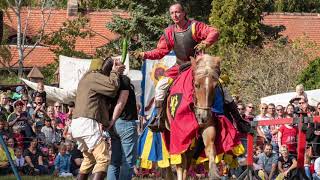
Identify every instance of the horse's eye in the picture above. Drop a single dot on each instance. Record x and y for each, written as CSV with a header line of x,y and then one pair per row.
x,y
197,85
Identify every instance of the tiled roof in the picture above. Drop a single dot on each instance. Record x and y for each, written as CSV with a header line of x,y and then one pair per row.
x,y
297,24
41,56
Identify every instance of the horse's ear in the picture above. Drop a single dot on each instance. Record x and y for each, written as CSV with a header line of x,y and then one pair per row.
x,y
217,61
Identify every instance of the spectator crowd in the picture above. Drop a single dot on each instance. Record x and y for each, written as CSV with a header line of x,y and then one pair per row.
x,y
37,136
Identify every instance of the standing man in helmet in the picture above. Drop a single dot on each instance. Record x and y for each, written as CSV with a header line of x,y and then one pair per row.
x,y
94,92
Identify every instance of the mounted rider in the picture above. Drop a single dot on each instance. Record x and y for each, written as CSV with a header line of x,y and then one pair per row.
x,y
185,37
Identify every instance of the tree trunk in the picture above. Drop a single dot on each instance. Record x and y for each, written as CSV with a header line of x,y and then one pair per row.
x,y
1,25
19,43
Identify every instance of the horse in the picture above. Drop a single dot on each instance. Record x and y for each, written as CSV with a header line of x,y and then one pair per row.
x,y
205,71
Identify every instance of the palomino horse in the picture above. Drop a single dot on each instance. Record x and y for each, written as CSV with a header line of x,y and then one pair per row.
x,y
205,70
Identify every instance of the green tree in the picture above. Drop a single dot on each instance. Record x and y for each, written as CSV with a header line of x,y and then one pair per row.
x,y
310,77
309,6
63,41
258,72
48,72
239,22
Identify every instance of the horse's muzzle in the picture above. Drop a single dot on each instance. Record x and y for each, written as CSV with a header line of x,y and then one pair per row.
x,y
203,116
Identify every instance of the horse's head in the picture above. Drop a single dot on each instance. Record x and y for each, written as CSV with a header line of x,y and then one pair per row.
x,y
206,71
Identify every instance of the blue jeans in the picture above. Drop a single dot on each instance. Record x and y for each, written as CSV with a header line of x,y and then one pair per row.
x,y
124,150
307,171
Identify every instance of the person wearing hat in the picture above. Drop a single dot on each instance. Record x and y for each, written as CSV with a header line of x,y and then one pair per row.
x,y
20,118
94,91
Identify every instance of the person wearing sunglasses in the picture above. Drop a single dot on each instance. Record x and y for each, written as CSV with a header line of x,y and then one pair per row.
x,y
264,134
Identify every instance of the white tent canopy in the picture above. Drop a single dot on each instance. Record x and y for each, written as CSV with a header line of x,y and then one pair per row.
x,y
70,72
284,98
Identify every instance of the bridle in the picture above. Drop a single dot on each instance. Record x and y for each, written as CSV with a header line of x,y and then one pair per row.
x,y
204,69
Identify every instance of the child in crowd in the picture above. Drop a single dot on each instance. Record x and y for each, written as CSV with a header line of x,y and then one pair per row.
x,y
20,163
47,131
300,92
40,91
63,163
18,136
51,156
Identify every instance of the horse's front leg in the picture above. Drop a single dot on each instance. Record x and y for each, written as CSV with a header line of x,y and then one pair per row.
x,y
168,174
208,135
182,168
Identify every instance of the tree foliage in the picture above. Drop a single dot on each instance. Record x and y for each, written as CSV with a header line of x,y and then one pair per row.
x,y
239,22
310,77
63,41
48,73
260,72
293,5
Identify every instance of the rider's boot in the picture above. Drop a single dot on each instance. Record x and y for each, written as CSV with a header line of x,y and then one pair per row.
x,y
157,124
242,125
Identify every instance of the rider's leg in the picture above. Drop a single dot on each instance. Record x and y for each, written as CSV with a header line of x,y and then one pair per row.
x,y
160,94
231,108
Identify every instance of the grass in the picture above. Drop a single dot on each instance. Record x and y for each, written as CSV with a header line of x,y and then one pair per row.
x,y
34,178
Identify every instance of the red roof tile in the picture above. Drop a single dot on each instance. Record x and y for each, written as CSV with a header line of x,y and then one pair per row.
x,y
297,24
42,56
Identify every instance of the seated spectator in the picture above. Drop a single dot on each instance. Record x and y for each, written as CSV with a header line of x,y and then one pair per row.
x,y
264,134
18,94
11,143
6,134
62,163
33,158
305,109
287,164
280,112
19,137
40,135
316,174
5,107
51,158
19,162
271,111
47,131
39,109
57,133
287,135
20,119
58,113
267,163
27,107
250,111
4,162
71,106
290,111
76,159
54,119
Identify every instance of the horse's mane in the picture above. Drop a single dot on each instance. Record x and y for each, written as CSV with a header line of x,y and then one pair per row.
x,y
205,65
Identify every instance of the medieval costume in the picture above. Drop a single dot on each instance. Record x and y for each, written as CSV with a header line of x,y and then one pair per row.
x,y
91,109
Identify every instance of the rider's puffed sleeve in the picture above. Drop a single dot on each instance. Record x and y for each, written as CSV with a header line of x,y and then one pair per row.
x,y
163,48
107,85
206,33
